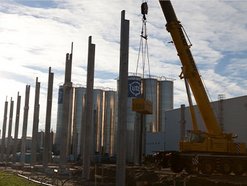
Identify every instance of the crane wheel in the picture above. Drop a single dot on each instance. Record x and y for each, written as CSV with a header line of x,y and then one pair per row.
x,y
176,163
225,167
207,167
176,168
238,168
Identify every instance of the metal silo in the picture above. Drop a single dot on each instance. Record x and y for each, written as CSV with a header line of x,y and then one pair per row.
x,y
109,127
165,100
59,118
78,110
150,93
97,118
134,91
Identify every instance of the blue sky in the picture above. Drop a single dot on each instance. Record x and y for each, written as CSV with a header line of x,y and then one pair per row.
x,y
37,34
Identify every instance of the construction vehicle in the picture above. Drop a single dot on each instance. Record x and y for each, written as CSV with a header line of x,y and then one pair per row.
x,y
204,152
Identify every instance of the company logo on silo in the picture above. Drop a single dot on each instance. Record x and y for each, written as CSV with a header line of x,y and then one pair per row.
x,y
134,86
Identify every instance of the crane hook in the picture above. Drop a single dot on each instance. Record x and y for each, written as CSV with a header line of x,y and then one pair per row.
x,y
144,10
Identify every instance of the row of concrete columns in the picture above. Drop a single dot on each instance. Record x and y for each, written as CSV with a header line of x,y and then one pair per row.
x,y
87,124
5,152
87,130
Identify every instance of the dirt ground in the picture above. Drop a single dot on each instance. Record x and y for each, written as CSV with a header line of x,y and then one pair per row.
x,y
105,175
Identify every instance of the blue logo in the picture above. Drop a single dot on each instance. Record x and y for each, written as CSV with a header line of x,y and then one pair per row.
x,y
134,86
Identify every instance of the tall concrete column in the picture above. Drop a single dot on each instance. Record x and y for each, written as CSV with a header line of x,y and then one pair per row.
x,y
83,126
17,119
67,93
4,131
88,138
47,143
122,101
138,139
35,123
24,127
9,141
75,131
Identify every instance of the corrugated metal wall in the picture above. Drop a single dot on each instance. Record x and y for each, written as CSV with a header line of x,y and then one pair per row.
x,y
233,111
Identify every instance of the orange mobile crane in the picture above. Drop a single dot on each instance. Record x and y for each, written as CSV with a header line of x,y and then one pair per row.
x,y
208,151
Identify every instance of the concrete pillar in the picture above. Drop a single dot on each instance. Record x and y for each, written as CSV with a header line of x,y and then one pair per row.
x,y
47,142
122,101
138,139
75,132
9,141
67,93
24,128
4,131
83,126
88,138
17,119
35,123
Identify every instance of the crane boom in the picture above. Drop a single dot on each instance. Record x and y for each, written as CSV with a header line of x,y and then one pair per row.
x,y
204,152
189,69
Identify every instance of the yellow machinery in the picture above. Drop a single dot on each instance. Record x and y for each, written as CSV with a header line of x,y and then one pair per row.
x,y
208,151
142,106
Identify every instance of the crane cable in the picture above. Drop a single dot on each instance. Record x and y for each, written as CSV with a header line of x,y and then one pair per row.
x,y
143,45
144,55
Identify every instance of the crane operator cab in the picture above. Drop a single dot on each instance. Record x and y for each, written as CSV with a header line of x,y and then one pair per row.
x,y
195,136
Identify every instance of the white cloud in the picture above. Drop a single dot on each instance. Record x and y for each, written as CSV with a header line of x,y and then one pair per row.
x,y
34,38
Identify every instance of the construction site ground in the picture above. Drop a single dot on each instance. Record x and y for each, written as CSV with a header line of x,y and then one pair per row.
x,y
105,175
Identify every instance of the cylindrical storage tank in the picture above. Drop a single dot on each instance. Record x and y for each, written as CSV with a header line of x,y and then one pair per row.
x,y
97,118
59,119
165,101
134,91
150,93
78,110
109,126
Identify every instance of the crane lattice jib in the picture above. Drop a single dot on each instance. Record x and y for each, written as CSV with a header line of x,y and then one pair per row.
x,y
190,71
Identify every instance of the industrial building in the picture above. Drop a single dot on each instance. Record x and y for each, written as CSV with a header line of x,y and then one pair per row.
x,y
231,114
